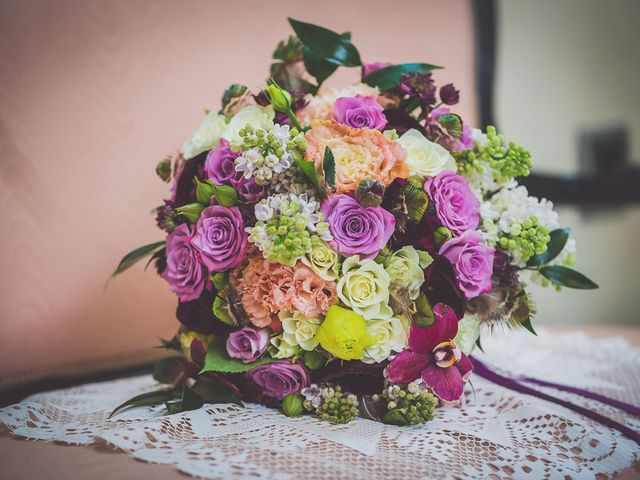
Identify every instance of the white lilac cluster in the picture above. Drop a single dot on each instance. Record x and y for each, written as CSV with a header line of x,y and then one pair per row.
x,y
287,227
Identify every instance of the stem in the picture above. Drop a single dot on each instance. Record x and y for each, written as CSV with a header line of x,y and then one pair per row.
x,y
294,120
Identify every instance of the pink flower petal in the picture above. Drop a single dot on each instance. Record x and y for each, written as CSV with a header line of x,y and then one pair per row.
x,y
465,367
407,366
446,383
445,327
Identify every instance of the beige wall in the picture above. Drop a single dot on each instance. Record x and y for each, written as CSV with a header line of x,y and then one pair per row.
x,y
564,66
92,95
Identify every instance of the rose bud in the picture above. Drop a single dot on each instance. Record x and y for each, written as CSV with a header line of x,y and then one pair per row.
x,y
449,94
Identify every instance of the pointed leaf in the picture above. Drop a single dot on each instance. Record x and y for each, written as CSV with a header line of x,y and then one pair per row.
x,y
395,417
156,397
327,44
479,344
212,391
388,77
190,400
132,257
217,360
329,167
309,169
557,242
527,324
173,344
424,315
567,277
167,370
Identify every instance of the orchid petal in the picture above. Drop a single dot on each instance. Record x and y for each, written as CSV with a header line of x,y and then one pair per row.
x,y
446,383
465,367
407,366
444,328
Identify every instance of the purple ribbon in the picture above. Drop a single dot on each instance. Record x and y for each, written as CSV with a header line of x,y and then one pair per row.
x,y
484,371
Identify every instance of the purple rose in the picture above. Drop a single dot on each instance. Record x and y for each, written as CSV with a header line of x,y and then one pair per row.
x,y
473,262
357,230
220,237
279,379
360,112
247,344
220,165
184,272
220,169
456,206
369,68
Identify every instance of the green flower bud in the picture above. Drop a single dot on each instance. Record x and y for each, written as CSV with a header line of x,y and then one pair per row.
x,y
441,235
278,96
292,405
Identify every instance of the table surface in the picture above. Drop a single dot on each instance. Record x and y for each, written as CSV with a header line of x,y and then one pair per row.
x,y
20,458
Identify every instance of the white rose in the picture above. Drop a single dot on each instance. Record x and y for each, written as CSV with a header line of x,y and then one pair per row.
x,y
300,330
206,137
406,270
285,346
253,115
390,335
468,333
364,286
425,158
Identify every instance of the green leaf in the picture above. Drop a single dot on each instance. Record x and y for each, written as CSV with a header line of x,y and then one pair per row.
x,y
212,391
156,397
527,324
329,167
225,195
479,344
452,123
388,77
424,315
220,280
417,202
557,242
204,190
217,360
220,310
567,277
317,66
327,44
161,252
309,169
166,370
190,400
173,344
192,211
138,254
395,417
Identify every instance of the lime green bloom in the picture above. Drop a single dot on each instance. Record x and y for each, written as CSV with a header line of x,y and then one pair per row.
x,y
344,334
323,260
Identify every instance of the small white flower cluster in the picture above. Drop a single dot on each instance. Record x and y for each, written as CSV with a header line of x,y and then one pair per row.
x,y
252,162
507,209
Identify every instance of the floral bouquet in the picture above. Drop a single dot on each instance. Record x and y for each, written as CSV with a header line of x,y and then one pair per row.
x,y
337,251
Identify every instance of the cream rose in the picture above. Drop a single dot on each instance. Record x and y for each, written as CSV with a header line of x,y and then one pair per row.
x,y
425,158
206,137
323,260
468,333
364,287
390,335
252,115
406,270
298,330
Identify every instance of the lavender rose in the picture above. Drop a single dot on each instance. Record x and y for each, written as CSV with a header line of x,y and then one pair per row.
x,y
456,206
360,112
473,262
247,344
184,272
357,230
220,169
279,379
220,237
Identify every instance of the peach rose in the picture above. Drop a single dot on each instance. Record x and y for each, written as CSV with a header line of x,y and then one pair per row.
x,y
359,153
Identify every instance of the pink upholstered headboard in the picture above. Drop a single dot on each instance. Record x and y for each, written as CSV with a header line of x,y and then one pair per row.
x,y
92,95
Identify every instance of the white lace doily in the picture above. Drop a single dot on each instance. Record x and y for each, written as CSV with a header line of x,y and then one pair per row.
x,y
497,433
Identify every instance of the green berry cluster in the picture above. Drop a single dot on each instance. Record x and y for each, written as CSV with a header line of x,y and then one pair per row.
x,y
525,239
268,143
415,405
337,407
506,162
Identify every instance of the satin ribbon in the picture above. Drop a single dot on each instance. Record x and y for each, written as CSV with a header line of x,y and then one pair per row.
x,y
483,370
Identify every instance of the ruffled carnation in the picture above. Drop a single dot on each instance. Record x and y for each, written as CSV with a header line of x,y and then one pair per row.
x,y
359,154
267,288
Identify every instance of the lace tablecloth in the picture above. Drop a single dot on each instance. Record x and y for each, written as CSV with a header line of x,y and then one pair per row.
x,y
496,433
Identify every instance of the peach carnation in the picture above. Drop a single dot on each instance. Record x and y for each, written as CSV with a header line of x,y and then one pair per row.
x,y
359,153
267,288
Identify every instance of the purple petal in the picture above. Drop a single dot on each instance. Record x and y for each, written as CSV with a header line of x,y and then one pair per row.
x,y
465,367
446,383
407,366
444,328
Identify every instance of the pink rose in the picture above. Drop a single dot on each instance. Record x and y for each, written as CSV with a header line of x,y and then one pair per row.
x,y
473,262
456,206
360,112
185,274
247,344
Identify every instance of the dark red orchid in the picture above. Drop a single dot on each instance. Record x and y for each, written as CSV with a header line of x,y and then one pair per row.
x,y
434,357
